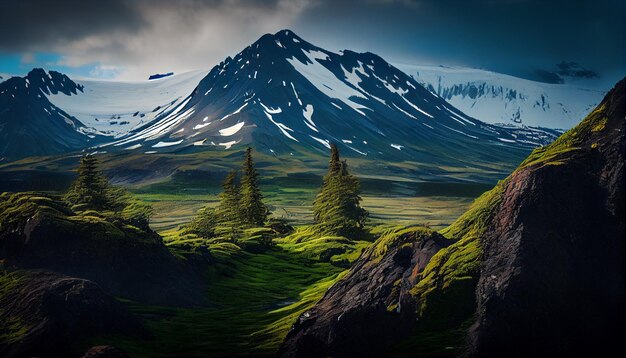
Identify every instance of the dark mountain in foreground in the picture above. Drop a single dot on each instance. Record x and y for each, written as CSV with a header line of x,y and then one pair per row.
x,y
535,267
31,125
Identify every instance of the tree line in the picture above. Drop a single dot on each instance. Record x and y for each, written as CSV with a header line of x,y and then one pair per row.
x,y
336,207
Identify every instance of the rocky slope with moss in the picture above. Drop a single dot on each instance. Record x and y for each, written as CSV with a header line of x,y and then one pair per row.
x,y
44,314
552,274
534,266
42,232
375,293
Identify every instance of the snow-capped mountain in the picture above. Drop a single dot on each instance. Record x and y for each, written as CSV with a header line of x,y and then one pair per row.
x,y
31,125
113,108
498,98
283,94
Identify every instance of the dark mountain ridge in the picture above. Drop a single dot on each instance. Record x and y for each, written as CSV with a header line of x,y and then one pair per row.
x,y
31,125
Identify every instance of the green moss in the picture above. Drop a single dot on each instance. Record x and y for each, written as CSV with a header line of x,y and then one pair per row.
x,y
13,328
599,124
337,250
558,151
396,236
445,293
255,298
17,208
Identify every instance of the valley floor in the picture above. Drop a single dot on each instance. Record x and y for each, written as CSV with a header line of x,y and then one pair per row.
x,y
437,212
255,297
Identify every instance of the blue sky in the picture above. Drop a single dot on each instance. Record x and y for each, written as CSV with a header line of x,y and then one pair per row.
x,y
15,63
130,39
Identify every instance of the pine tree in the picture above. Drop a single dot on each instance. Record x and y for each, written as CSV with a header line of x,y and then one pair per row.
x,y
227,212
91,191
90,188
336,208
253,211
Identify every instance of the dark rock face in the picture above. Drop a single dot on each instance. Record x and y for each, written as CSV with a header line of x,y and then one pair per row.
x,y
370,308
552,277
45,313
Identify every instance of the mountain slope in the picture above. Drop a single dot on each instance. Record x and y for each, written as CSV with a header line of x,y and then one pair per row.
x,y
535,266
284,95
113,108
499,98
31,125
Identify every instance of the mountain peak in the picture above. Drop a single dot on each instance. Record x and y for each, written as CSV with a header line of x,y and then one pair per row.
x,y
52,82
287,34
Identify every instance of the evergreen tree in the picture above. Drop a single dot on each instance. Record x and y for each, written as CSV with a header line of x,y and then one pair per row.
x,y
91,188
253,211
91,191
227,212
204,223
336,208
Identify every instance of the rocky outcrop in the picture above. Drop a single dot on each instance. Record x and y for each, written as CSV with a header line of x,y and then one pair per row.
x,y
371,308
44,314
552,274
39,232
534,268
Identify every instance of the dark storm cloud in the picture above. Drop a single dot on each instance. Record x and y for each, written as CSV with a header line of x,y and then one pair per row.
x,y
32,24
514,36
36,24
503,35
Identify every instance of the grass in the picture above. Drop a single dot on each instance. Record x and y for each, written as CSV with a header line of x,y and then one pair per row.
x,y
255,298
571,141
13,329
294,205
337,250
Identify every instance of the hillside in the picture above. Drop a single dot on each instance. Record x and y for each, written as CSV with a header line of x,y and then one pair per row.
x,y
535,265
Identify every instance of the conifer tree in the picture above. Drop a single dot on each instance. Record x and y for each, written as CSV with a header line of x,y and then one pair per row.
x,y
90,188
336,208
228,212
253,211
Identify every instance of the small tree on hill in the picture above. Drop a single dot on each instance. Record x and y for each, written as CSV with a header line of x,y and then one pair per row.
x,y
253,211
336,207
228,212
91,191
204,223
91,188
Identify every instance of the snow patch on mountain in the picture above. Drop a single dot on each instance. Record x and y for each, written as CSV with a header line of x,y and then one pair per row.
x,y
325,80
502,99
232,130
115,108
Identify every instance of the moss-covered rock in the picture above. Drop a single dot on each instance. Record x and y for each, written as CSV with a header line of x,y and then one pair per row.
x,y
534,267
39,231
375,291
45,314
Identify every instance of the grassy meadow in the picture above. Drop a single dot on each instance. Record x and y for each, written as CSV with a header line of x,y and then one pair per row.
x,y
257,291
256,295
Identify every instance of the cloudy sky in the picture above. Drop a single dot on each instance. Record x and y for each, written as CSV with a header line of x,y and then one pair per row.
x,y
131,39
